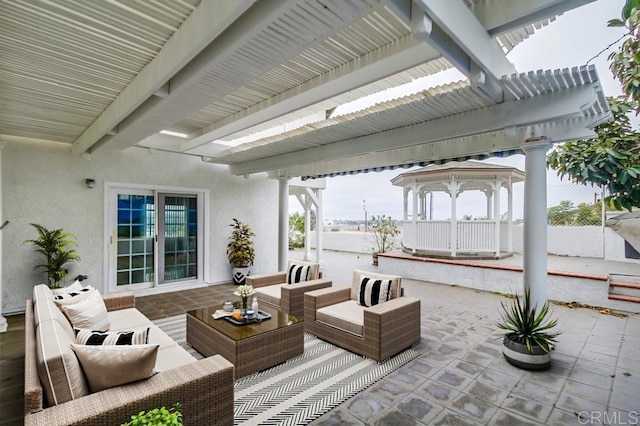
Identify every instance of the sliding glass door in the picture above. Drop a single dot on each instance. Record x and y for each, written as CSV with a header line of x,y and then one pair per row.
x,y
155,238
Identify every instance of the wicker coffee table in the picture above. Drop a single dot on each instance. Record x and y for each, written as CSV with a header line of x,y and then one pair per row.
x,y
251,347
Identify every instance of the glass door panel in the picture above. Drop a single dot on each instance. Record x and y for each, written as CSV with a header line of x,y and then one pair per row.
x,y
178,237
135,239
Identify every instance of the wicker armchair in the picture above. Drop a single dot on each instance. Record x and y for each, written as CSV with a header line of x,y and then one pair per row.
x,y
273,289
377,332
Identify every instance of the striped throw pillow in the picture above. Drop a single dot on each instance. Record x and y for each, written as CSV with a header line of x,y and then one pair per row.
x,y
373,291
101,338
75,296
90,313
298,273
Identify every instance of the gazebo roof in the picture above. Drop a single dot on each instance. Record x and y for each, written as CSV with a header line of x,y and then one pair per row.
x,y
467,170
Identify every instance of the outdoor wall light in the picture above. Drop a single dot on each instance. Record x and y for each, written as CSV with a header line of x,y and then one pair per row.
x,y
90,183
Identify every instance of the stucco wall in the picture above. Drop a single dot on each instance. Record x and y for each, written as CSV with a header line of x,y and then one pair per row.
x,y
45,183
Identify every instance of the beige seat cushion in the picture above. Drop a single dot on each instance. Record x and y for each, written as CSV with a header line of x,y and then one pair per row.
x,y
127,319
172,357
347,316
270,294
396,282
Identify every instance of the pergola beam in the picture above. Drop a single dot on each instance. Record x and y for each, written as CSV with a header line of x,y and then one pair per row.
x,y
391,59
550,107
199,29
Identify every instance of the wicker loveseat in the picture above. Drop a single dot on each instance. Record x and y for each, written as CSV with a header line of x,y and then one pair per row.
x,y
378,332
204,387
273,289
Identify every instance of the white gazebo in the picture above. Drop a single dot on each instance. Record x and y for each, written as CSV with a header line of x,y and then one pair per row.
x,y
488,237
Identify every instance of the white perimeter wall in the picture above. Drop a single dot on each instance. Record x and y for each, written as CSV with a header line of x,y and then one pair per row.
x,y
45,183
583,241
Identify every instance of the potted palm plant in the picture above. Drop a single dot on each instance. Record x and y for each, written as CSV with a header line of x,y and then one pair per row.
x,y
384,232
55,245
528,333
240,250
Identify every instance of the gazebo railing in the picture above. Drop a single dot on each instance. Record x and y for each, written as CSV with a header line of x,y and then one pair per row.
x,y
435,235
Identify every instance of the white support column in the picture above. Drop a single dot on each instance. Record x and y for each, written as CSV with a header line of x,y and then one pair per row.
x,y
510,217
3,320
414,217
283,222
307,227
535,220
319,225
489,194
496,215
453,192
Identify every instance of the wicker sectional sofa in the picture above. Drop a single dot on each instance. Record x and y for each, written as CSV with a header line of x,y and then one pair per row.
x,y
53,373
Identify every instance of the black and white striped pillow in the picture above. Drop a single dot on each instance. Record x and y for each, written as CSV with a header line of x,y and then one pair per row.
x,y
74,296
298,273
373,291
101,338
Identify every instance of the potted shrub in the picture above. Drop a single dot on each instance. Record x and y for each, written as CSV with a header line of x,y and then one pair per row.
x,y
384,232
240,250
55,246
528,337
158,417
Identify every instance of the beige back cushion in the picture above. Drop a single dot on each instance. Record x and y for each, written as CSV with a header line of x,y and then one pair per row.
x,y
60,372
314,268
396,282
45,309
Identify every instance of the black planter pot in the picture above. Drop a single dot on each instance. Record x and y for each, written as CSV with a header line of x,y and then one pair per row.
x,y
517,354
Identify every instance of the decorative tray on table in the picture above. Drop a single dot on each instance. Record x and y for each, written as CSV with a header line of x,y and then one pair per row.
x,y
259,317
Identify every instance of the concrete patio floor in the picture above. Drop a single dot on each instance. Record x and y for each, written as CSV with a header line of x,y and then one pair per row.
x,y
462,378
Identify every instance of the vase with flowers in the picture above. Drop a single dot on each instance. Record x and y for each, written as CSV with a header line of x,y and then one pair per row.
x,y
245,291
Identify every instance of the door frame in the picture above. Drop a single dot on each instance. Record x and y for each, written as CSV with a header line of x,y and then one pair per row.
x,y
111,189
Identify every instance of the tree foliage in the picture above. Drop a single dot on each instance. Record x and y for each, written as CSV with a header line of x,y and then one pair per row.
x,y
296,230
567,214
625,63
384,232
611,160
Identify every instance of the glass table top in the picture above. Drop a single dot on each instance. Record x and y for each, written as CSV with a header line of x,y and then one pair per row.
x,y
237,332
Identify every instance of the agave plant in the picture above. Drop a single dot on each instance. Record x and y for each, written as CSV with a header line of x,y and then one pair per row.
x,y
526,326
55,245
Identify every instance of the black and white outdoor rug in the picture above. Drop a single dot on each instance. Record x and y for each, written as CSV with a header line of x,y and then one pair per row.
x,y
303,388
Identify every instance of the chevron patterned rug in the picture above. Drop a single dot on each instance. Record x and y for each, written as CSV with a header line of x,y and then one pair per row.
x,y
303,388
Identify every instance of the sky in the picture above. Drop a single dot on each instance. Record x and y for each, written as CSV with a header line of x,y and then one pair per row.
x,y
571,40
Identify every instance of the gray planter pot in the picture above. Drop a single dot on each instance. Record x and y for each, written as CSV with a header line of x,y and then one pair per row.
x,y
240,274
517,354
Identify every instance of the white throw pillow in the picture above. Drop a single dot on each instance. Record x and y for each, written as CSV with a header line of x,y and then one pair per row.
x,y
373,291
90,313
75,296
75,286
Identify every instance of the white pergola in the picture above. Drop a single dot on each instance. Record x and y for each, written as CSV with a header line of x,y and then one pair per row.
x,y
490,236
113,75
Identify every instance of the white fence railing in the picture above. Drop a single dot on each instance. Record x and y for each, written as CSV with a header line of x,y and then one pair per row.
x,y
472,235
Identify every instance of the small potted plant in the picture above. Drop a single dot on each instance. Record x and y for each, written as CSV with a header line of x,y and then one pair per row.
x,y
55,246
528,337
384,232
158,417
240,250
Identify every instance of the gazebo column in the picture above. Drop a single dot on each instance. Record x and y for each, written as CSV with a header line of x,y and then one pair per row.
x,y
283,222
3,320
535,220
496,215
489,194
405,204
422,205
453,187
